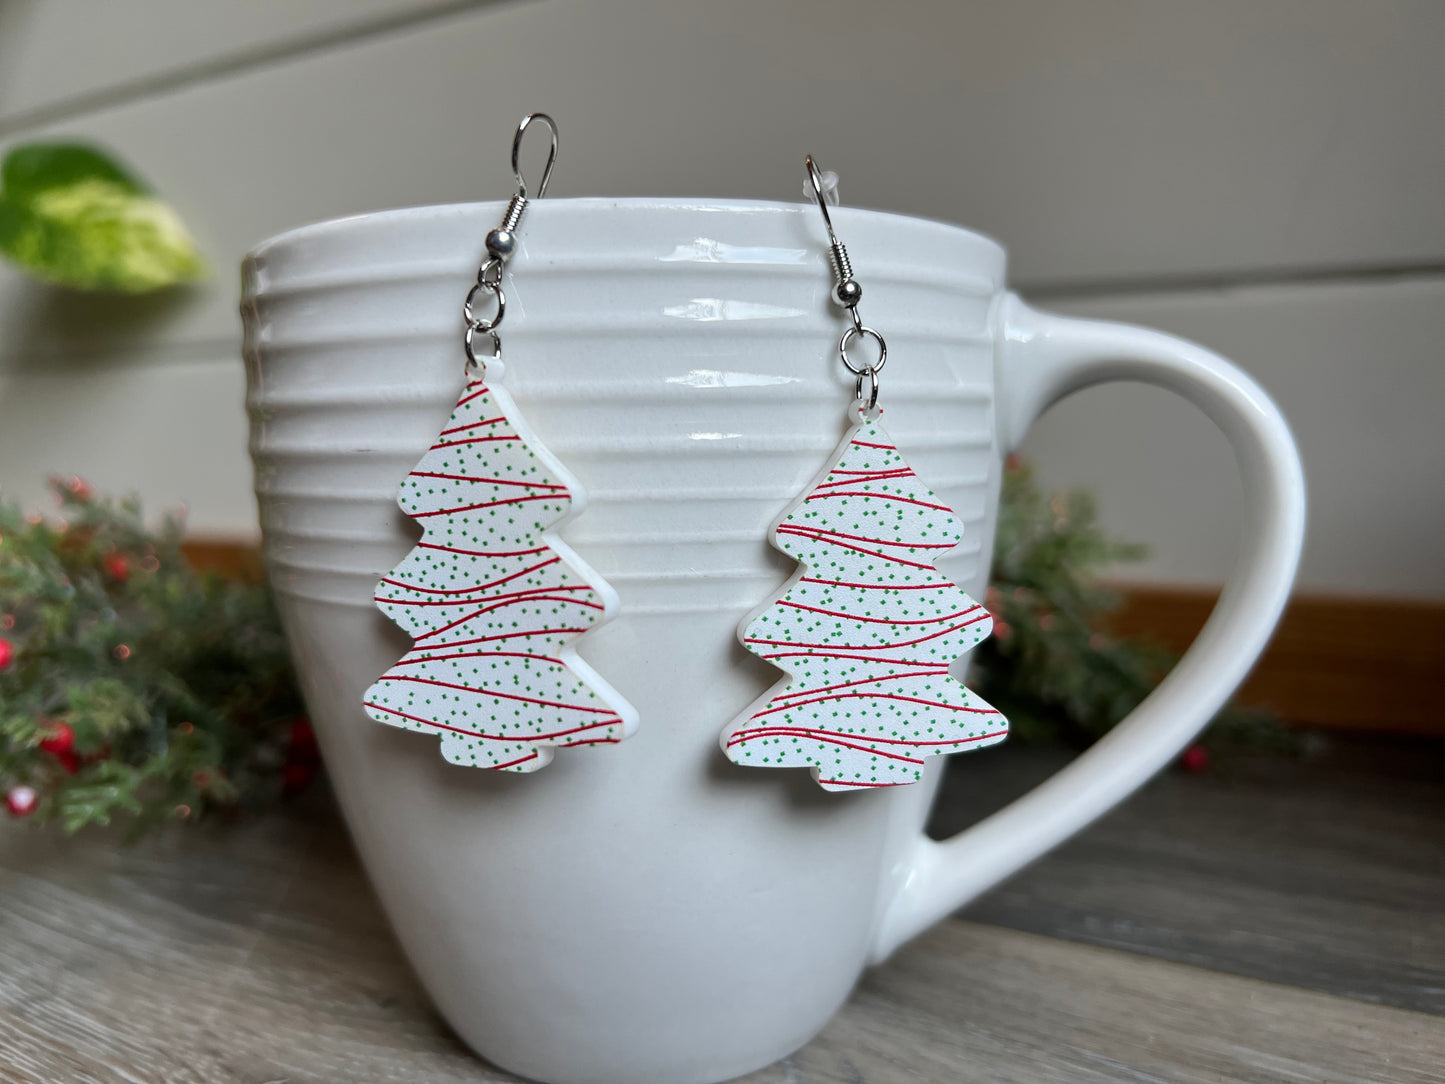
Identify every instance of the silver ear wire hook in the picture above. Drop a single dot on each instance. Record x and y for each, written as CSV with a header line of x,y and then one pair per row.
x,y
846,293
517,150
816,180
501,243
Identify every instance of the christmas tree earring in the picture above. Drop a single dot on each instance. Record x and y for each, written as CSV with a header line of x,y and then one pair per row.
x,y
867,628
493,599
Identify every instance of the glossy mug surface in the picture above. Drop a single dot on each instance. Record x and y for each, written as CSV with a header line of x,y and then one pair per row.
x,y
650,911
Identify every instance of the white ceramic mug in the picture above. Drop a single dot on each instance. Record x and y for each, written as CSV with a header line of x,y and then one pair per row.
x,y
649,911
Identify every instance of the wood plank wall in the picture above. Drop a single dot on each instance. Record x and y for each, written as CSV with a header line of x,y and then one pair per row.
x,y
1339,662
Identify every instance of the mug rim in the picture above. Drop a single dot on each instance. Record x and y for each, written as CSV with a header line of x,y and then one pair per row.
x,y
895,220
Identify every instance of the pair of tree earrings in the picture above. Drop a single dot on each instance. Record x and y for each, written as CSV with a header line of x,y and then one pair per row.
x,y
495,601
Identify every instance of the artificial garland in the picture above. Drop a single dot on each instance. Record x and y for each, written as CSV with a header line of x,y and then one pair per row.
x,y
1052,666
130,684
134,687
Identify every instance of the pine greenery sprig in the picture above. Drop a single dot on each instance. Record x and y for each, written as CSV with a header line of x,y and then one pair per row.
x,y
131,684
1051,666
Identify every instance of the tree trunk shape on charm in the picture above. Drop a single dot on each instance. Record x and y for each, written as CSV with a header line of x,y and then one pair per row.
x,y
494,601
866,629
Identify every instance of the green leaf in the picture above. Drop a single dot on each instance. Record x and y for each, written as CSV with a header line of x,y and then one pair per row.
x,y
37,167
71,216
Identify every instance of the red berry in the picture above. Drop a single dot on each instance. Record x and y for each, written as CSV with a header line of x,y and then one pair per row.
x,y
117,567
60,738
21,801
1195,759
79,488
296,777
302,742
69,760
7,653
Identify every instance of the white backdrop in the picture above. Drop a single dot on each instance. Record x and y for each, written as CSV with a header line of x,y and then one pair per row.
x,y
1265,179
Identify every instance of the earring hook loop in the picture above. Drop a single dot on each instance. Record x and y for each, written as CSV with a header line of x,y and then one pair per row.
x,y
517,150
816,180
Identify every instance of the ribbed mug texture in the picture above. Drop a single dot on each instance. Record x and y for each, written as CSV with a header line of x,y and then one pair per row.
x,y
646,910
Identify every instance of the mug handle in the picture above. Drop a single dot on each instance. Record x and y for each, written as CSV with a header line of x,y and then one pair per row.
x,y
1040,359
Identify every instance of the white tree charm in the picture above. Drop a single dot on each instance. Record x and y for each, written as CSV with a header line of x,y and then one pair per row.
x,y
866,629
494,600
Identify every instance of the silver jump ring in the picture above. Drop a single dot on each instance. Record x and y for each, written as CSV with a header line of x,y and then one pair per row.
x,y
481,323
490,273
872,400
859,370
472,356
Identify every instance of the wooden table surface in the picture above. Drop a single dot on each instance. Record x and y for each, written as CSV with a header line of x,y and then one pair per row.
x,y
257,954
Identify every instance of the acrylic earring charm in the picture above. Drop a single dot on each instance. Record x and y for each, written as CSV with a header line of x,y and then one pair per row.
x,y
868,627
493,600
